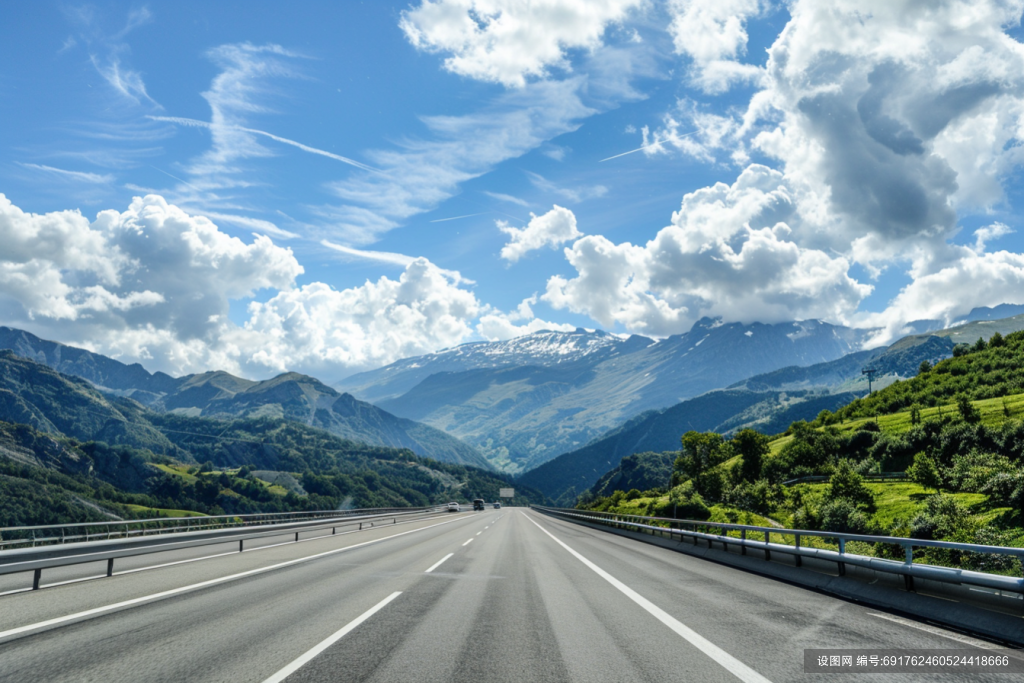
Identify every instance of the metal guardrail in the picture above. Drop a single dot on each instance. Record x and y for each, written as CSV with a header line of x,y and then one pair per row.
x,y
870,476
685,528
48,534
48,557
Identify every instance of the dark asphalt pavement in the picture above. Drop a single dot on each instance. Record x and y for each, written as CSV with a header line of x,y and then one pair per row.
x,y
521,597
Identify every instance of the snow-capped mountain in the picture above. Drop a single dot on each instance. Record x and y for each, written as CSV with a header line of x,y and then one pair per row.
x,y
524,401
543,349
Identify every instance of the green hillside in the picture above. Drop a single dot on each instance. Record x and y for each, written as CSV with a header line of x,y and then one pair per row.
x,y
70,453
955,429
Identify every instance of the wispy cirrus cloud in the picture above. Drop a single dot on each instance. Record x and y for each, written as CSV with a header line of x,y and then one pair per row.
x,y
502,197
78,176
108,52
195,123
392,258
572,194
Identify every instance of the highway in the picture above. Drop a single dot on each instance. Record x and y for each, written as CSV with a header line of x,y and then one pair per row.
x,y
494,596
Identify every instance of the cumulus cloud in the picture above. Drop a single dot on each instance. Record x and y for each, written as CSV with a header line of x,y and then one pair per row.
x,y
316,326
555,227
887,120
728,252
988,233
154,284
509,41
497,326
713,34
975,279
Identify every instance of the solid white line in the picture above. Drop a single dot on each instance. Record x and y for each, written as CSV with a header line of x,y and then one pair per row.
x,y
467,542
202,584
937,631
731,664
323,645
438,563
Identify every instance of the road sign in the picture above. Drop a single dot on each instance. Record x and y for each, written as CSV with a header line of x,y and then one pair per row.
x,y
507,493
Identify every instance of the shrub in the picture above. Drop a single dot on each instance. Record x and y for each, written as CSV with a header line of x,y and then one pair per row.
x,y
925,472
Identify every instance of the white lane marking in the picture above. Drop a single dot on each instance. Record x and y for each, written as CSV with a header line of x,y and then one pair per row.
x,y
478,533
323,645
731,664
438,563
467,542
202,584
938,631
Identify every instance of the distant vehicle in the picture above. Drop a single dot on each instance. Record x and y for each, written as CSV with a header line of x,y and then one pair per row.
x,y
497,506
454,507
478,504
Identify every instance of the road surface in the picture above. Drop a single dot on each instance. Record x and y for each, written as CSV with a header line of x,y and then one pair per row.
x,y
497,596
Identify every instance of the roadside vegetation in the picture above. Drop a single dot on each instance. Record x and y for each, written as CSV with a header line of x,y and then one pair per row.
x,y
955,431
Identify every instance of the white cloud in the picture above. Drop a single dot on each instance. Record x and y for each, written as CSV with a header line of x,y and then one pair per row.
x,y
974,279
316,326
888,120
392,258
128,279
79,176
236,93
422,174
572,194
507,198
154,284
728,252
510,41
555,227
713,34
989,233
497,326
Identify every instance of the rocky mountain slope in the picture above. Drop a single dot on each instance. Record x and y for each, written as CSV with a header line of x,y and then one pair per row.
x,y
523,403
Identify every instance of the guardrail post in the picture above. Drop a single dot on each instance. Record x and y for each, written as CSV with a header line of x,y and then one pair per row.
x,y
799,560
743,541
767,540
908,579
296,536
360,526
333,529
240,542
842,551
110,566
36,576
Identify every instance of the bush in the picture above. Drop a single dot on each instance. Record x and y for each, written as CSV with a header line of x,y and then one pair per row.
x,y
925,472
684,503
844,516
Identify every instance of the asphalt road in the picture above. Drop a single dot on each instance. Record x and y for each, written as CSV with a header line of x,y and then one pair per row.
x,y
501,595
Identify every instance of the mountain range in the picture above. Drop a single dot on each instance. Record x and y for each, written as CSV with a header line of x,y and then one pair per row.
x,y
768,402
525,401
219,394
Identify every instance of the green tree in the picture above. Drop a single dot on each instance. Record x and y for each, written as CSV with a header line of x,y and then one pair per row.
x,y
701,451
925,472
915,414
968,411
846,483
979,345
752,447
924,368
996,341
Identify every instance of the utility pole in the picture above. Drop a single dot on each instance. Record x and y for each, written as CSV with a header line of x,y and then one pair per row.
x,y
870,372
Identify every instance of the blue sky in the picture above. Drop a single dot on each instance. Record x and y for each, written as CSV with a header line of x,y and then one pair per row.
x,y
332,186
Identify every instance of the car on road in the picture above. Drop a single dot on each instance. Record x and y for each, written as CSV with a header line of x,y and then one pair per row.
x,y
454,507
478,504
497,506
